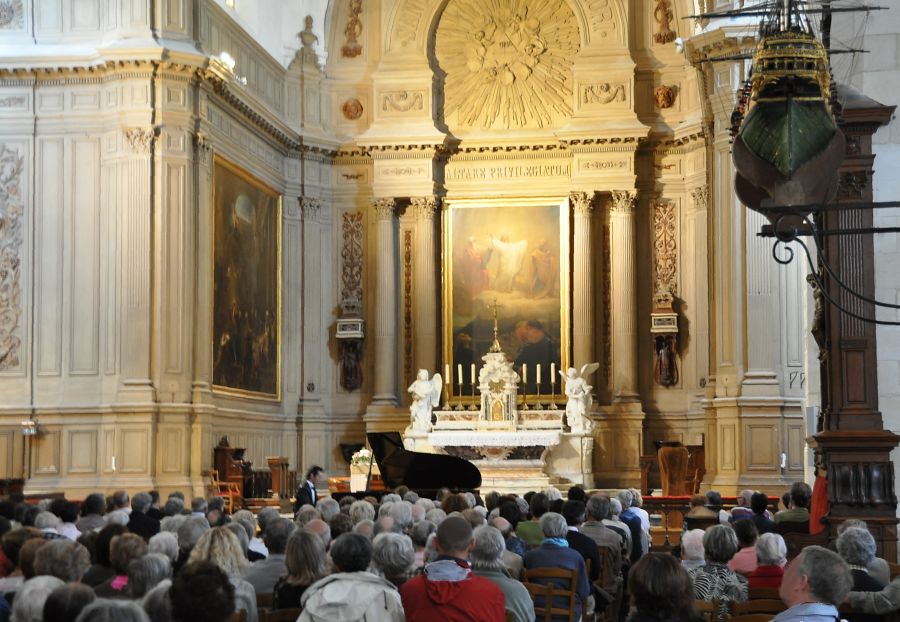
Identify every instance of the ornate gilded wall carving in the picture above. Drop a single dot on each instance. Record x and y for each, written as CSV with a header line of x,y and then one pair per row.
x,y
352,31
508,62
351,260
665,248
12,211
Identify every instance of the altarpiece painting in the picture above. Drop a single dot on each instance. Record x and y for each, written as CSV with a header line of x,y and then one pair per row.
x,y
513,253
246,283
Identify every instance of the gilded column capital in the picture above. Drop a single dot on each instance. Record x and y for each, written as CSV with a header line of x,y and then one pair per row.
x,y
582,203
424,207
310,208
384,207
623,201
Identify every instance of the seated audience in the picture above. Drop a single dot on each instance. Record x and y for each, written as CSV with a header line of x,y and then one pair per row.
x,y
714,503
554,552
814,584
759,503
68,514
155,511
351,593
264,573
145,573
514,563
661,591
28,605
639,538
393,557
306,563
857,547
447,590
113,611
139,522
487,562
164,543
101,567
222,548
636,503
596,509
530,530
27,555
742,509
265,516
63,559
619,528
715,581
342,523
510,511
693,556
92,515
11,543
123,549
49,525
201,592
66,602
878,568
191,529
771,557
798,509
698,508
420,533
574,513
744,561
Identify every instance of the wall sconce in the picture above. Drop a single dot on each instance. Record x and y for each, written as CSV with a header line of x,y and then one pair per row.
x,y
29,427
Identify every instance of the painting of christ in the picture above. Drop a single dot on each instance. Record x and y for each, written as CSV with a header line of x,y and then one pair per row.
x,y
512,253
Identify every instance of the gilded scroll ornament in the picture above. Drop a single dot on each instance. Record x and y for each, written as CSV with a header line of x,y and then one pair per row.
x,y
507,62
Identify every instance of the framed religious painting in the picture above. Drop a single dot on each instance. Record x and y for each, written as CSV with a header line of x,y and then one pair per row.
x,y
246,300
509,256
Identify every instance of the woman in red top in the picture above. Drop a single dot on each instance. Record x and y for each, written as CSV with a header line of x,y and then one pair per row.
x,y
771,553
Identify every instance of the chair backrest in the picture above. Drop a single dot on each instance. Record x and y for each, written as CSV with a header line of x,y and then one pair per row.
x,y
752,617
279,615
605,570
544,586
239,616
763,592
758,605
264,600
895,570
708,609
792,527
700,522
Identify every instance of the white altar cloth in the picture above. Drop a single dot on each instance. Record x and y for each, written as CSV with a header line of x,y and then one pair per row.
x,y
487,438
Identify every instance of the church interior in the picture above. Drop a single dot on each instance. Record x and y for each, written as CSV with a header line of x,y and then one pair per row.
x,y
228,223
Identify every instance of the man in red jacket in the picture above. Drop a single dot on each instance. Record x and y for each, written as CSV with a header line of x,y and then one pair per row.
x,y
448,591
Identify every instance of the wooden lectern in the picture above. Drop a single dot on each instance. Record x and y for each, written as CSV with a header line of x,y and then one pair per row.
x,y
278,465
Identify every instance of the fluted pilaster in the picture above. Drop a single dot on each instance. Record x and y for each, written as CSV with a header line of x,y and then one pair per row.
x,y
624,295
425,284
386,307
582,280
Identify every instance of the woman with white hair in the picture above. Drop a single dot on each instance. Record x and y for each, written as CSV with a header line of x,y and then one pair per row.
x,y
221,547
164,543
771,557
104,610
29,603
716,581
393,556
857,547
487,561
693,557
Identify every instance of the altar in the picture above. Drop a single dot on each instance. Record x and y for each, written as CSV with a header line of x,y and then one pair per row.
x,y
517,447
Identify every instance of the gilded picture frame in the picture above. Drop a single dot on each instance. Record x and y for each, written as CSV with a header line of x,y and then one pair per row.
x,y
515,252
246,298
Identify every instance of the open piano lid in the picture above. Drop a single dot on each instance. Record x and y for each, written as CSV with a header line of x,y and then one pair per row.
x,y
417,470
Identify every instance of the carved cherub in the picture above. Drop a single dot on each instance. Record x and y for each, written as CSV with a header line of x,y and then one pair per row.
x,y
578,392
426,395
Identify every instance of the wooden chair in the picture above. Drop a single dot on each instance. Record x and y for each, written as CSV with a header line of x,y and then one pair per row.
x,y
280,615
551,589
708,609
752,617
264,600
763,592
509,616
239,616
700,522
227,490
895,570
758,605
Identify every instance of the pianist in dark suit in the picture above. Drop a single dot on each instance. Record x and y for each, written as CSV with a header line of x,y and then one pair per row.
x,y
306,493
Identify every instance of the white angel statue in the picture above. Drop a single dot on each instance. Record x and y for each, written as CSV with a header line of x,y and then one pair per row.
x,y
578,392
426,394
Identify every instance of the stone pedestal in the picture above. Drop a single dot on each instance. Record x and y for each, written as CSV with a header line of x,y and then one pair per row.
x,y
618,439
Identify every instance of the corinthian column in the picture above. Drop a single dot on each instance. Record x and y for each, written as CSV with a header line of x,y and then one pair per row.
x,y
624,296
425,282
386,307
582,281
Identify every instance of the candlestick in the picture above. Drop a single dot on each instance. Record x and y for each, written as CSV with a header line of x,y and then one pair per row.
x,y
524,388
459,390
472,406
447,378
447,391
459,374
538,405
553,405
473,373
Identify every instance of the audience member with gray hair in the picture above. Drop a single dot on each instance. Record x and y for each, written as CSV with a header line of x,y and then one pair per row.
x,y
48,524
878,568
613,542
815,583
401,512
692,554
139,523
365,527
715,581
393,556
104,610
118,517
66,602
436,516
771,554
199,507
172,523
92,513
265,573
640,542
419,534
327,508
361,510
857,547
554,552
189,533
487,561
614,523
145,573
63,559
174,506
320,528
28,605
742,509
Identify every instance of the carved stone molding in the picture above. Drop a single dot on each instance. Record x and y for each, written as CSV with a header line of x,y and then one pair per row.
x,y
603,93
507,63
12,16
623,201
13,101
139,139
402,101
665,96
351,261
665,248
310,208
700,197
582,203
384,208
663,16
352,109
352,31
424,208
12,215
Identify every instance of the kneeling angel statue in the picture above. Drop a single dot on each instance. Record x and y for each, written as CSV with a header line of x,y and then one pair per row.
x,y
578,392
426,394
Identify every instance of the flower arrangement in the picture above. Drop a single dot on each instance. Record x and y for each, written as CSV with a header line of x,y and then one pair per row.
x,y
361,458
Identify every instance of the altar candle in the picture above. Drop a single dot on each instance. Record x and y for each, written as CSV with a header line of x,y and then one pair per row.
x,y
473,373
538,373
447,378
552,371
524,373
459,374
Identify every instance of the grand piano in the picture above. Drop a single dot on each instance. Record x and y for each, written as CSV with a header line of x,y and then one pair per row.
x,y
424,473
